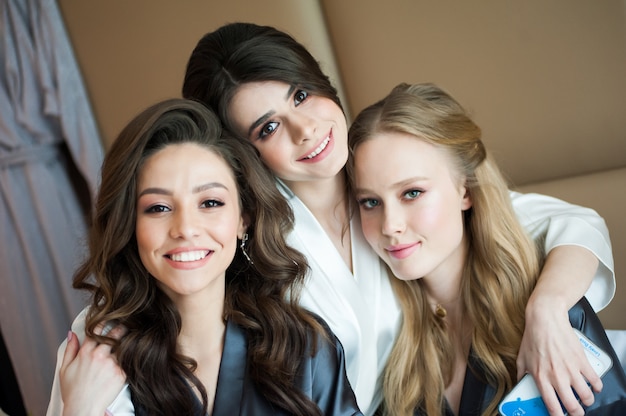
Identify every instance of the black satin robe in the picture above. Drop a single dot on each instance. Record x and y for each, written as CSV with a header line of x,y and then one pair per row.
x,y
611,401
322,378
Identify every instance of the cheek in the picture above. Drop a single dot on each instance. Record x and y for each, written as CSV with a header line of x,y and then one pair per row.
x,y
145,243
272,156
371,228
226,232
147,232
142,234
445,223
429,218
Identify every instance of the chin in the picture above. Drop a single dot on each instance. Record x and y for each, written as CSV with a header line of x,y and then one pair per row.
x,y
406,275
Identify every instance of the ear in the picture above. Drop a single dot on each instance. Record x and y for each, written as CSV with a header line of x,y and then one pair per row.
x,y
243,226
466,202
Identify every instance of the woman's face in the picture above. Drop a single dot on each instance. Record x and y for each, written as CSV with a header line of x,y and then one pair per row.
x,y
188,219
300,136
411,206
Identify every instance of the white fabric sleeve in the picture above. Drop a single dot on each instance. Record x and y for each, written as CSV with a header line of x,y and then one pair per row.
x,y
121,406
559,223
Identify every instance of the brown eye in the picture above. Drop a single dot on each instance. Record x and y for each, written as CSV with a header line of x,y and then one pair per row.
x,y
212,203
156,209
300,96
268,129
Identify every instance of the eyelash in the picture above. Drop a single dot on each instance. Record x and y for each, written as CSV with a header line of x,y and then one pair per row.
x,y
366,203
213,203
299,96
263,133
160,208
156,209
419,193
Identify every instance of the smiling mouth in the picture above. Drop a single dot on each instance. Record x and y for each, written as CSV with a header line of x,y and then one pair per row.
x,y
402,251
318,150
188,256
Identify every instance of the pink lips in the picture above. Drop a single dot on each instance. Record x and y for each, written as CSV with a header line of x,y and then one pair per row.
x,y
184,262
402,251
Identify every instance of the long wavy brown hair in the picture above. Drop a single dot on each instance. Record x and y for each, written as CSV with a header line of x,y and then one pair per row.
x,y
261,298
501,268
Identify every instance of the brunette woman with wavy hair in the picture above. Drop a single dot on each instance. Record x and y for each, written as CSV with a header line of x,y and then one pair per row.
x,y
187,255
436,209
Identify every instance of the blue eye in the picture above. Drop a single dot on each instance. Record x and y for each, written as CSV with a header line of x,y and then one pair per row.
x,y
412,194
368,203
299,96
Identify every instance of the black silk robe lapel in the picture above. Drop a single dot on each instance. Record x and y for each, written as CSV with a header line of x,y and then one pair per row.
x,y
322,378
476,394
232,374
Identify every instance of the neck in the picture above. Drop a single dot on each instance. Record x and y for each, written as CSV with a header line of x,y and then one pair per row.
x,y
327,201
323,197
444,297
203,324
444,286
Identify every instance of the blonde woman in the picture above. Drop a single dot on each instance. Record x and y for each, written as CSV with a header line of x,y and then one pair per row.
x,y
435,208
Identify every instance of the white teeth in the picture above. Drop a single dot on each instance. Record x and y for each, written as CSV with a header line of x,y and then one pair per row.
x,y
319,149
189,256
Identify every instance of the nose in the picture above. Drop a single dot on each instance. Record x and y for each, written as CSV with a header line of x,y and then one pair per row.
x,y
303,127
393,220
184,225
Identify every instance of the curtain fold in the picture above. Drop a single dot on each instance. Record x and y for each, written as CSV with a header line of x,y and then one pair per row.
x,y
50,157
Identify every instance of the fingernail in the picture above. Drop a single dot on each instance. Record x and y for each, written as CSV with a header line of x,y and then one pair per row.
x,y
70,334
108,413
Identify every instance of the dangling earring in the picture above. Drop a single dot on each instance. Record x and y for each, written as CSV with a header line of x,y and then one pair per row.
x,y
243,247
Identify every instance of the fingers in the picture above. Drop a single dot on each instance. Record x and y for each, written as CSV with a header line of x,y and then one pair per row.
x,y
592,378
583,391
549,397
90,376
568,388
582,379
587,381
71,350
109,330
91,350
117,332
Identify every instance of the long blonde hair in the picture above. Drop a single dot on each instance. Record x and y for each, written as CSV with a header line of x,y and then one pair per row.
x,y
501,268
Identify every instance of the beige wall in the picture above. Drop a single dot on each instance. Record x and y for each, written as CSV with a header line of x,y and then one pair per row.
x,y
537,74
545,79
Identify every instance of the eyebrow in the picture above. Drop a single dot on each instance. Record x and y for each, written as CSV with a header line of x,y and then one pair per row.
x,y
399,184
267,115
195,190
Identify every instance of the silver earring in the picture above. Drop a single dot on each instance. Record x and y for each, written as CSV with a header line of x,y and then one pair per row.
x,y
243,248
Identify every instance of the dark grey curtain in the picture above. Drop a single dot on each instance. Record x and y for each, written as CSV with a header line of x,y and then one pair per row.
x,y
50,156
